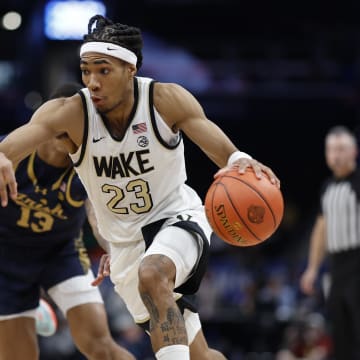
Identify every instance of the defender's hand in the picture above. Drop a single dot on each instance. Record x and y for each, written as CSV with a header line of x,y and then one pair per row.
x,y
8,184
103,271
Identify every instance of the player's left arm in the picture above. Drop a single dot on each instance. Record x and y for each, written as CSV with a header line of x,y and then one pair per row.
x,y
180,109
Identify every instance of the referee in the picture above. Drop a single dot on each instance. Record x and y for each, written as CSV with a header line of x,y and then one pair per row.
x,y
336,232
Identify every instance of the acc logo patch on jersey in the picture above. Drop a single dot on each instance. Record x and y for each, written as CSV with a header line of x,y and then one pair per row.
x,y
143,141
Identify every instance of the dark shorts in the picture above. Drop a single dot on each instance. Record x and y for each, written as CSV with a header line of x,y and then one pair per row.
x,y
24,270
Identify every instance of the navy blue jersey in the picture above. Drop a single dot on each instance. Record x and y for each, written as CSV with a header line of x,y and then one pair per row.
x,y
49,208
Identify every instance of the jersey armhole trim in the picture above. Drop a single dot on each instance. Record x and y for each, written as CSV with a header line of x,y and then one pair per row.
x,y
153,121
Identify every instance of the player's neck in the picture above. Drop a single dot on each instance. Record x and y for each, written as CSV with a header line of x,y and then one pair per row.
x,y
117,120
117,117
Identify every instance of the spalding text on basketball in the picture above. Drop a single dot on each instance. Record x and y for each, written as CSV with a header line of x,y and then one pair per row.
x,y
229,228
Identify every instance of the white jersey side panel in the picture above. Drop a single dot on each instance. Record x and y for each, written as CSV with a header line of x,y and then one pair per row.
x,y
136,180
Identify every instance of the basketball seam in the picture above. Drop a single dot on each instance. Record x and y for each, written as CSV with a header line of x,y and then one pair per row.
x,y
241,218
254,189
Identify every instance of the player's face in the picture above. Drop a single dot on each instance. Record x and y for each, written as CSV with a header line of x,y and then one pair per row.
x,y
340,153
109,80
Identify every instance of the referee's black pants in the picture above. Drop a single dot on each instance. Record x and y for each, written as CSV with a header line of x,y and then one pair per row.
x,y
344,304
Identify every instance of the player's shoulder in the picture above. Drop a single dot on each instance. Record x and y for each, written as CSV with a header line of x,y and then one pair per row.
x,y
63,113
166,89
171,95
72,104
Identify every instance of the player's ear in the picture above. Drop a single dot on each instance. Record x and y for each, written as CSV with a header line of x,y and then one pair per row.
x,y
132,69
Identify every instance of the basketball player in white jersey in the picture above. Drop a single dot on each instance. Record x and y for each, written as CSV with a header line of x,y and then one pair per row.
x,y
126,145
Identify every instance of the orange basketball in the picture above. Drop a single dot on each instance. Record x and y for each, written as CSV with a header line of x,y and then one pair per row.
x,y
243,210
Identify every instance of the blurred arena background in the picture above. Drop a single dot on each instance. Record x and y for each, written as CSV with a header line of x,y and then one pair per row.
x,y
274,75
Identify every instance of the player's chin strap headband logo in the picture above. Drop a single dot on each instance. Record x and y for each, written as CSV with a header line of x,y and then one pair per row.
x,y
109,49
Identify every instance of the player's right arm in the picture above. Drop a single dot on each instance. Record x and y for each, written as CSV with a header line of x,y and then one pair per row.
x,y
53,118
104,264
317,253
181,111
94,226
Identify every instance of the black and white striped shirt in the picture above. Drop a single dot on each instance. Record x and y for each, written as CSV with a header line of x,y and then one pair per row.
x,y
340,205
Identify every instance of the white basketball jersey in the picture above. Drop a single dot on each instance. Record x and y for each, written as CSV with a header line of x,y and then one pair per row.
x,y
135,180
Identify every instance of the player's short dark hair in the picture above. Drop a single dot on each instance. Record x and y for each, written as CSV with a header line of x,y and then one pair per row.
x,y
65,90
126,36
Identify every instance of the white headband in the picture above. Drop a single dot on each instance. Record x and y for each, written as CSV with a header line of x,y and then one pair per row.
x,y
109,49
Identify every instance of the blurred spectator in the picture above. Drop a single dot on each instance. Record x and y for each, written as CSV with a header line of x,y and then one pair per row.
x,y
306,339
